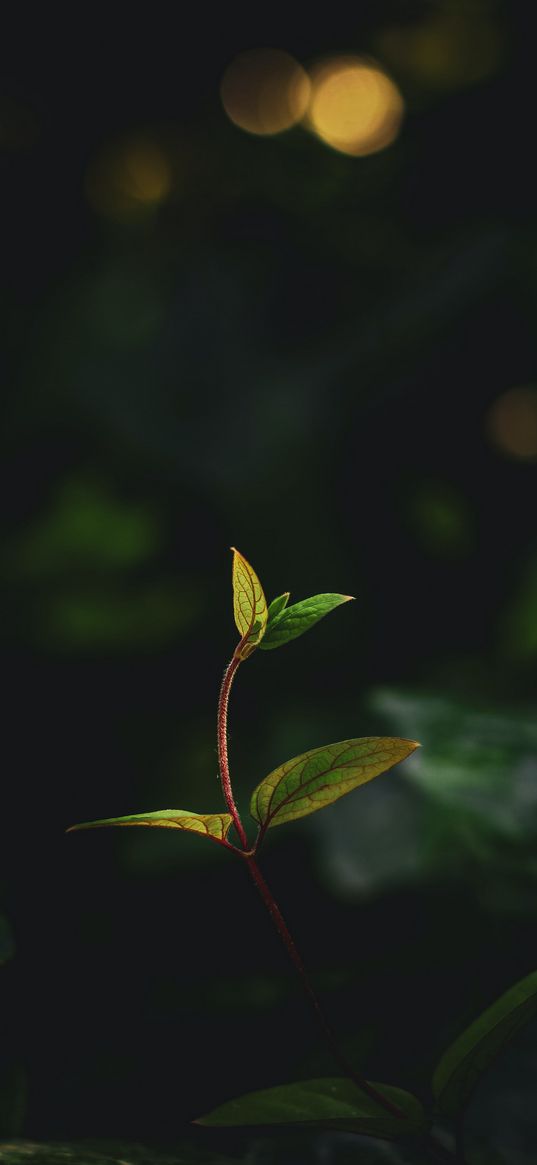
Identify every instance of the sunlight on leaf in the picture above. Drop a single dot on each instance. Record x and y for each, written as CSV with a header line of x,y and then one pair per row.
x,y
293,621
319,777
249,605
330,1102
465,1061
212,825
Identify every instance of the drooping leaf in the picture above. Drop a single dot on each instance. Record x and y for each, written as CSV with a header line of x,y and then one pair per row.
x,y
330,1102
212,825
293,621
465,1061
319,777
249,605
276,607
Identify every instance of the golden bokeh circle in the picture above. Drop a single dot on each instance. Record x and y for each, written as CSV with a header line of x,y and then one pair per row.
x,y
355,107
129,178
265,91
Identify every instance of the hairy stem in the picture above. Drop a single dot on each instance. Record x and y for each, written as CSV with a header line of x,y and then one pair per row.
x,y
288,942
272,906
221,737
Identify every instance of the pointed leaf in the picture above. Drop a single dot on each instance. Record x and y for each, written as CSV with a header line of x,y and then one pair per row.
x,y
276,607
212,825
317,778
465,1061
295,620
330,1103
249,605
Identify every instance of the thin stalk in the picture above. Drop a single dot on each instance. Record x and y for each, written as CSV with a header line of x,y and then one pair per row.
x,y
288,942
271,904
221,737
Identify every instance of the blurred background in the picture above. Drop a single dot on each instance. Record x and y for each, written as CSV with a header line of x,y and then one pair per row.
x,y
269,279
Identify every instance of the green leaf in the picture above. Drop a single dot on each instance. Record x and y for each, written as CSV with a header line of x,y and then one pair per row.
x,y
276,607
249,605
317,778
295,620
465,1061
330,1102
212,825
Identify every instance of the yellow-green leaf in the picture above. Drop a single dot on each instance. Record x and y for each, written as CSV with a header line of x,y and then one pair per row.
x,y
330,1102
249,605
212,825
317,778
465,1061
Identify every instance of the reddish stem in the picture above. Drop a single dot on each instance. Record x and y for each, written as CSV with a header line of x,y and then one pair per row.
x,y
223,762
271,904
283,931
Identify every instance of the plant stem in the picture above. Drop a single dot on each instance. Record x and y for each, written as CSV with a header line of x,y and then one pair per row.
x,y
221,737
271,904
288,942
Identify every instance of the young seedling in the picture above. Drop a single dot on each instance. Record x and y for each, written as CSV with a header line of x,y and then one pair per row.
x,y
303,785
300,786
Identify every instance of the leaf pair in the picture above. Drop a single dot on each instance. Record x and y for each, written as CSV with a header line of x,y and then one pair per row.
x,y
271,626
297,788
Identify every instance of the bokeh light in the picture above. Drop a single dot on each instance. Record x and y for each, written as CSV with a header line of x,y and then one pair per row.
x,y
512,423
265,91
129,179
453,45
355,107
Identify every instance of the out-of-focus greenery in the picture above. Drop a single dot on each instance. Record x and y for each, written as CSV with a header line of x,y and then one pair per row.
x,y
464,807
212,338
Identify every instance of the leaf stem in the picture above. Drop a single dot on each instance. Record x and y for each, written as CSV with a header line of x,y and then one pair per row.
x,y
288,942
221,737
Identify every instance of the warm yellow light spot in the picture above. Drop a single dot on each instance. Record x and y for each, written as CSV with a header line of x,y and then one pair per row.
x,y
452,46
512,423
265,91
129,179
355,107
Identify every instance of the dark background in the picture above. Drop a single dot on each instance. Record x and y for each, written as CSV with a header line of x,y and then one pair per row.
x,y
295,352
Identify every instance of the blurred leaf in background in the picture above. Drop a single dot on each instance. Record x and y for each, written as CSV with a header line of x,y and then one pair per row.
x,y
88,577
465,807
